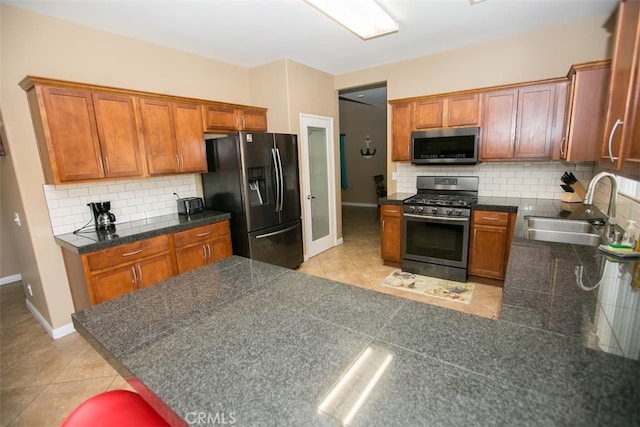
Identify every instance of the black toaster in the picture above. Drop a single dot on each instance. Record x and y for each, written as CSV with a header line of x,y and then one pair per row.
x,y
190,205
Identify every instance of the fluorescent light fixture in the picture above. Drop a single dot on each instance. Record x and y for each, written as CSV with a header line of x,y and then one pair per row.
x,y
475,2
365,18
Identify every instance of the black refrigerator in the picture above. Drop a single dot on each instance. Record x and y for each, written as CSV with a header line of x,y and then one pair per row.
x,y
254,177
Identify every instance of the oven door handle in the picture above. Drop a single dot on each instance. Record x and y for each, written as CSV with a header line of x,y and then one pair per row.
x,y
438,218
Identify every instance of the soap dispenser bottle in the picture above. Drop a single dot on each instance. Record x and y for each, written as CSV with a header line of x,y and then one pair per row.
x,y
631,234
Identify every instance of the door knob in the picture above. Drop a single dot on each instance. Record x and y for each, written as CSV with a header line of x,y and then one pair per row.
x,y
309,197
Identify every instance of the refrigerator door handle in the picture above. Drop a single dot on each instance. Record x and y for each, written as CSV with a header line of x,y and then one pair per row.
x,y
262,236
277,172
281,180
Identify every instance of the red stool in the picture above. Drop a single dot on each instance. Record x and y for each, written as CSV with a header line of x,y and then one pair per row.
x,y
115,408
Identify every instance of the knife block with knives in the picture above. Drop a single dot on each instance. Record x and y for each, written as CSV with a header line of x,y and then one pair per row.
x,y
574,191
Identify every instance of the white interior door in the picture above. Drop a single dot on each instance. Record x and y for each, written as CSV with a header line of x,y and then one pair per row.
x,y
319,183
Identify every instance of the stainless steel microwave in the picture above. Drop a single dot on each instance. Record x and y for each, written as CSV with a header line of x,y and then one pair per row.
x,y
446,146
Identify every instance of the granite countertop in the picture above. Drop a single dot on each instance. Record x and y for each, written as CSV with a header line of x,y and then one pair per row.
x,y
126,232
264,345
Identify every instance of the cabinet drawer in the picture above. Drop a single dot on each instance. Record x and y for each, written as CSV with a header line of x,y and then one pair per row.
x,y
491,218
391,210
127,253
195,235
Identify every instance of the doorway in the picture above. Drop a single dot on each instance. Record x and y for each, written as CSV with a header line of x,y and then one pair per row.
x,y
319,198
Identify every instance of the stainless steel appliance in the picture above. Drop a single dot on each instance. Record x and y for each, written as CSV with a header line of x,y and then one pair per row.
x,y
436,225
103,219
190,205
446,146
254,177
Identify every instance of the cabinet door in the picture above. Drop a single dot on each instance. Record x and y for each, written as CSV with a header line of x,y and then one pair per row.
x,y
158,132
254,120
220,117
113,283
621,86
585,113
498,124
189,137
391,233
154,269
487,253
536,107
220,248
428,113
463,110
72,140
401,127
191,257
118,131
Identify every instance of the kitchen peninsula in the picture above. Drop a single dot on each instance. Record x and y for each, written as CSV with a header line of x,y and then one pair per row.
x,y
268,346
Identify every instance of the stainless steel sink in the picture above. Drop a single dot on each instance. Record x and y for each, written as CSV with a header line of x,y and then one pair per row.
x,y
563,231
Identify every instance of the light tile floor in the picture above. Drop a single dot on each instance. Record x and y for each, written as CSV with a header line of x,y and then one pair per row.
x,y
42,380
357,262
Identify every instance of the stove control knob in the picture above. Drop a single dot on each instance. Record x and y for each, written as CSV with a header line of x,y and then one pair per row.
x,y
458,212
412,208
449,211
434,210
420,208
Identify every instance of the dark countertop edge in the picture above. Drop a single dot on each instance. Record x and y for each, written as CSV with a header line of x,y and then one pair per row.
x,y
209,217
395,198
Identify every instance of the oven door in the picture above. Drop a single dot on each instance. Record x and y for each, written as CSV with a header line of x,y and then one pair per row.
x,y
436,240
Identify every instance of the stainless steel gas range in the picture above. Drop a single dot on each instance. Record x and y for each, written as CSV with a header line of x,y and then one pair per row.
x,y
436,225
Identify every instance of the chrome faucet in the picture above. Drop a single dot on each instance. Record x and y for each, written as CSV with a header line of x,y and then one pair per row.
x,y
611,210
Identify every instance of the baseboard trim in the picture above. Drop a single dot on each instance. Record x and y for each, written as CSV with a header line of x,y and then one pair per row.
x,y
10,279
361,205
339,242
53,333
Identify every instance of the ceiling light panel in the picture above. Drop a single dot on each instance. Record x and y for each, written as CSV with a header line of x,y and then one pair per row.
x,y
365,18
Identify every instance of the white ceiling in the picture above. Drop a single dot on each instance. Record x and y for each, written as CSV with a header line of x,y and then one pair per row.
x,y
249,33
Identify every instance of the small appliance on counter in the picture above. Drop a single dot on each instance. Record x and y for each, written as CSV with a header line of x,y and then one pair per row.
x,y
104,220
190,206
574,191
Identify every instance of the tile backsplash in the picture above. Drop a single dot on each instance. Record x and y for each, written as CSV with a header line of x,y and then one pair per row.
x,y
536,180
131,199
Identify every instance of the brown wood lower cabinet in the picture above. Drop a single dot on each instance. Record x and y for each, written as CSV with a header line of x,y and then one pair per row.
x,y
391,234
109,273
490,243
203,245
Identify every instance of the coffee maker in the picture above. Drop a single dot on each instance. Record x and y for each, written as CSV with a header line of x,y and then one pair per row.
x,y
104,220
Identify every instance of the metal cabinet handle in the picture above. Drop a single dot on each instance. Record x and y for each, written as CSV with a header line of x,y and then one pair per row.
x,y
490,218
203,234
135,276
613,131
209,250
204,253
140,271
562,152
132,253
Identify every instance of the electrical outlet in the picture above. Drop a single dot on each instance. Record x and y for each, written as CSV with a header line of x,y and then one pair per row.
x,y
16,219
394,175
29,289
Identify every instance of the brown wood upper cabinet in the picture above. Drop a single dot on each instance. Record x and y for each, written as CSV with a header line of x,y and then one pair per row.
x,y
518,123
88,132
401,127
173,136
220,117
449,111
83,135
621,144
584,112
